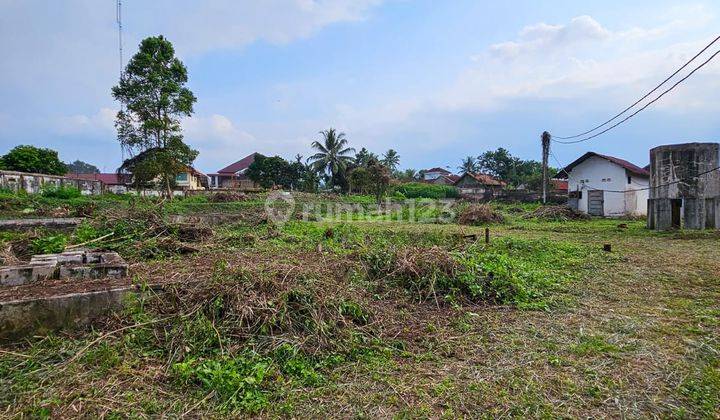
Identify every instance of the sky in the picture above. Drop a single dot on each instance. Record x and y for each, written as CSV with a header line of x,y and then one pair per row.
x,y
434,80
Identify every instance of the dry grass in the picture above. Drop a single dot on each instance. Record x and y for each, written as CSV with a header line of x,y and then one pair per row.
x,y
637,336
475,214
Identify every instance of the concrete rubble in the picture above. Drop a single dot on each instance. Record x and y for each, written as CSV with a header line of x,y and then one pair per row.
x,y
81,264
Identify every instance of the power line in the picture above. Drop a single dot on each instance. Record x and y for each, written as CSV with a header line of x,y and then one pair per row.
x,y
644,97
645,106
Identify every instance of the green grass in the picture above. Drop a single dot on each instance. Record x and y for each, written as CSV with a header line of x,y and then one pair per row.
x,y
377,316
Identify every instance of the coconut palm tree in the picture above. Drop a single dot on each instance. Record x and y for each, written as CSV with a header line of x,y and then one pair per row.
x,y
391,159
408,175
469,164
332,155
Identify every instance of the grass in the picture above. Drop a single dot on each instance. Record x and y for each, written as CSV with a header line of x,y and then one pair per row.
x,y
373,317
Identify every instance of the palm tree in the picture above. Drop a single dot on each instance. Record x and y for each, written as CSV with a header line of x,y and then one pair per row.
x,y
332,156
408,175
391,159
469,164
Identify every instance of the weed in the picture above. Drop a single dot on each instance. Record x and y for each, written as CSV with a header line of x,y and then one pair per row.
x,y
52,244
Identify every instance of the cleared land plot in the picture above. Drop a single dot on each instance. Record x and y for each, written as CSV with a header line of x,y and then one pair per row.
x,y
382,318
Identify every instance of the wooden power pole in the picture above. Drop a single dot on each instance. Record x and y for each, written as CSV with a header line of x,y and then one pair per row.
x,y
545,153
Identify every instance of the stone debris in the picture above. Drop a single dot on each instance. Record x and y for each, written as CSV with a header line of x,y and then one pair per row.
x,y
80,264
49,223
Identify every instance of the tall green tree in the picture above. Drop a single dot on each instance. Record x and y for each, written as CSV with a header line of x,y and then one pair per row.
x,y
33,159
333,157
378,178
363,157
515,171
153,93
391,159
469,164
80,167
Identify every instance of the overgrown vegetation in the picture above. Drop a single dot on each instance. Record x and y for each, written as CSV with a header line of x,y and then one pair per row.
x,y
422,190
376,315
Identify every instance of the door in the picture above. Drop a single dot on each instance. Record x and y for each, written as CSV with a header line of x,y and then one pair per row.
x,y
595,202
675,206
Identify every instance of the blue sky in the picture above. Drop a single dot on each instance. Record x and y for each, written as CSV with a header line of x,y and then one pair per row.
x,y
436,81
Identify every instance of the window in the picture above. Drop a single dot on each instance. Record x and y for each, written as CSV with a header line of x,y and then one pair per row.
x,y
629,180
181,177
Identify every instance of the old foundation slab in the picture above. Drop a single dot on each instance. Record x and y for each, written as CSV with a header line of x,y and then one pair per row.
x,y
71,264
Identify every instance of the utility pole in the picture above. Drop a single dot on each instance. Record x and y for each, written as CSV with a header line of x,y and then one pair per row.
x,y
545,153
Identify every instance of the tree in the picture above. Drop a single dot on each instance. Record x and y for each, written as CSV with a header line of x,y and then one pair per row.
x,y
378,176
33,159
80,167
270,171
469,164
333,157
363,157
391,159
498,163
501,164
408,175
152,90
359,180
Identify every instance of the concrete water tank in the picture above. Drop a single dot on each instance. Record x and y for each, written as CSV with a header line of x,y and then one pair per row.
x,y
684,186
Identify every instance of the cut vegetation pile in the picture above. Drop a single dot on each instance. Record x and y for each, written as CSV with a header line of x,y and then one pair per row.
x,y
476,214
227,197
557,213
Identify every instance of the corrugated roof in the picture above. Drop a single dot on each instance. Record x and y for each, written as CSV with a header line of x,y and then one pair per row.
x,y
632,168
238,166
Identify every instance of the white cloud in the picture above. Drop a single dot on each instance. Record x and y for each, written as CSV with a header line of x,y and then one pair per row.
x,y
542,37
98,124
580,59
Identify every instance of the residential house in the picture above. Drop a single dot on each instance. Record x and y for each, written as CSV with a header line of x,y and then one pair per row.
x,y
233,176
191,179
604,185
434,173
444,180
121,183
480,185
112,182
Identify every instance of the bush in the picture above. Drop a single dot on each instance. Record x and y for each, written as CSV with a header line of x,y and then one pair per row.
x,y
49,244
421,190
61,192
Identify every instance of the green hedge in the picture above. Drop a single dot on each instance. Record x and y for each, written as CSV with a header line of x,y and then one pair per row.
x,y
421,190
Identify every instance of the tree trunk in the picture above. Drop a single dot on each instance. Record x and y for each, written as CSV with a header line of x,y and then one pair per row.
x,y
168,191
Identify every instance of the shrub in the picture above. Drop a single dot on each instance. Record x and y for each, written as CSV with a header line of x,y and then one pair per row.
x,y
421,190
62,192
49,244
237,381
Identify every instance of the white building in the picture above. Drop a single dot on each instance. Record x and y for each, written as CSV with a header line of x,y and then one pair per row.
x,y
603,185
435,173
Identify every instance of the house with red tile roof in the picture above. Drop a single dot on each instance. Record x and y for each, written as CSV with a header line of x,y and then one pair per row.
x,y
480,185
603,185
120,183
233,175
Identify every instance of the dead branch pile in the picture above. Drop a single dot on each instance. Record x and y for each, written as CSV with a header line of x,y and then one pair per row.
x,y
475,214
557,213
228,197
193,233
309,307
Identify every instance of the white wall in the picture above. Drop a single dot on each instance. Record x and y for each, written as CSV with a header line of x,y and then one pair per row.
x,y
600,174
